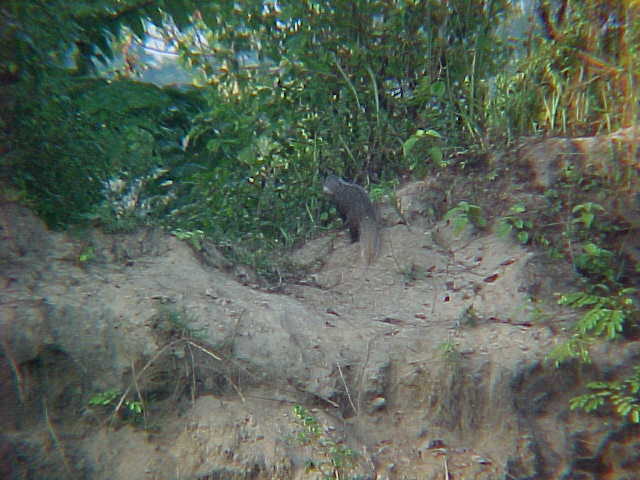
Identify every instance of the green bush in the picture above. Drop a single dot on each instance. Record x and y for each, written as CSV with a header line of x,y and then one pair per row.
x,y
79,143
623,396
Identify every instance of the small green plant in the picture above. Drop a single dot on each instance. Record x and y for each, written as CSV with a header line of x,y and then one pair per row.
x,y
514,223
493,175
413,273
468,318
110,398
335,459
384,189
177,323
465,214
87,255
417,145
586,213
534,311
606,308
449,352
597,263
604,316
624,396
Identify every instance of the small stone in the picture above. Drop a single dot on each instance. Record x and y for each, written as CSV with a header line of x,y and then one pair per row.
x,y
436,443
481,460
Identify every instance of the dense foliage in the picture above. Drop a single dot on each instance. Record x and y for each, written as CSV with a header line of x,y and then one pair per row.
x,y
90,143
294,89
586,63
68,137
300,89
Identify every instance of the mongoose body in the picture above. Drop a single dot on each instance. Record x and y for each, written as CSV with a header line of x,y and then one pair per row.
x,y
358,213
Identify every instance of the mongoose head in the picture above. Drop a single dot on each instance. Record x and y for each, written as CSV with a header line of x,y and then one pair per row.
x,y
330,184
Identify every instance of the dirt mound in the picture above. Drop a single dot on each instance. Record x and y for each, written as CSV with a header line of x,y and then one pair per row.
x,y
429,361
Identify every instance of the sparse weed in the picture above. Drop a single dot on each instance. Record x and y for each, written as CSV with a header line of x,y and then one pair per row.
x,y
449,352
465,214
598,264
586,213
514,223
87,255
334,459
413,273
177,323
111,398
468,318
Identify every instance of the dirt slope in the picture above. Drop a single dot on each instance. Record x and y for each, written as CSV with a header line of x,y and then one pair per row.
x,y
428,364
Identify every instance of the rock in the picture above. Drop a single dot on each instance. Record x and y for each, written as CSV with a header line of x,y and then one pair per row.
x,y
378,403
480,460
419,201
435,443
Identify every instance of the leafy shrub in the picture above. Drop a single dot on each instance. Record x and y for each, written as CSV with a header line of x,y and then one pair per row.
x,y
75,139
623,396
514,223
576,75
608,317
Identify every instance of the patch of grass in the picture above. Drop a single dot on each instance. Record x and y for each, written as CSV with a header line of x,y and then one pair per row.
x,y
332,459
176,323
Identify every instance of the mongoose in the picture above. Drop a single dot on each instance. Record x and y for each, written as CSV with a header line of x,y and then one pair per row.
x,y
358,213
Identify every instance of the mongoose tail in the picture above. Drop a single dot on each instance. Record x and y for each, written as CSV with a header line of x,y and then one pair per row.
x,y
369,239
358,213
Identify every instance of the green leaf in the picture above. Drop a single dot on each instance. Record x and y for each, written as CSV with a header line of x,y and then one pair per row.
x,y
623,409
523,237
104,398
598,385
408,145
436,156
438,89
430,133
179,11
104,43
136,23
587,219
504,227
154,14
